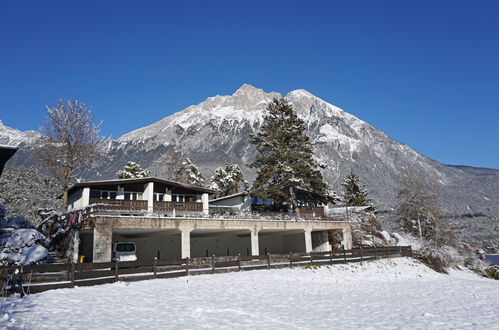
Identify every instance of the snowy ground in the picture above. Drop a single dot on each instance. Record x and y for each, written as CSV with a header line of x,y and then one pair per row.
x,y
385,294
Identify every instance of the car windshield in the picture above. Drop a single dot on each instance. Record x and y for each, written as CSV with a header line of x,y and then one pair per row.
x,y
125,247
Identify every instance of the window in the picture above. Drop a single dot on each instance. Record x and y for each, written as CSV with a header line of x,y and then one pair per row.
x,y
158,197
125,247
103,194
183,198
94,194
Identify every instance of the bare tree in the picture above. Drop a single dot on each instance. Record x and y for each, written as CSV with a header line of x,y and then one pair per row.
x,y
419,206
71,142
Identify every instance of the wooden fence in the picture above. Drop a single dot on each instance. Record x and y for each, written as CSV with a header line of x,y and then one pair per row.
x,y
39,278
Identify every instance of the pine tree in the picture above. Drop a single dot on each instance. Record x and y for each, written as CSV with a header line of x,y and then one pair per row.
x,y
228,179
132,170
355,194
287,173
189,173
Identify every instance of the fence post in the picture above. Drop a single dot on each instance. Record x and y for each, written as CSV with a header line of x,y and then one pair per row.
x,y
72,274
290,261
375,253
268,260
344,254
116,270
213,264
155,266
387,253
187,266
311,258
361,257
331,255
239,261
400,251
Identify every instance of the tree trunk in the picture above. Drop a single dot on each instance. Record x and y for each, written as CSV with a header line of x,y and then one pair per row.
x,y
64,202
294,202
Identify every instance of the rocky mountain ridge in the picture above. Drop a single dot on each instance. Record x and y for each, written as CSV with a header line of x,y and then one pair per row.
x,y
216,131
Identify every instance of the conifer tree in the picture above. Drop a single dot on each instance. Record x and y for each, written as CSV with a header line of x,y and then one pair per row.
x,y
287,173
132,170
189,173
355,194
228,179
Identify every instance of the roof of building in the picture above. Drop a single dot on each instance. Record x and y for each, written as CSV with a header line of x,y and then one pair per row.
x,y
350,209
140,180
242,193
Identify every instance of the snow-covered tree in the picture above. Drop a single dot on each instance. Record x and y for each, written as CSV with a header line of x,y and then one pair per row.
x,y
71,142
287,173
355,193
132,170
189,173
420,211
228,179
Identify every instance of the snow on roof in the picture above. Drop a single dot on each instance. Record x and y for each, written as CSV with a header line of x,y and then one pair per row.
x,y
349,209
141,180
242,193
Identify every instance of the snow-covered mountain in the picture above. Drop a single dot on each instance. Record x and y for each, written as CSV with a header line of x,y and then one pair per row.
x,y
13,137
216,131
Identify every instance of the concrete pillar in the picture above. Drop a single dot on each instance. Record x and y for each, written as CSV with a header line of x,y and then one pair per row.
x,y
254,243
103,241
168,195
347,238
308,240
185,242
204,199
120,194
149,195
85,197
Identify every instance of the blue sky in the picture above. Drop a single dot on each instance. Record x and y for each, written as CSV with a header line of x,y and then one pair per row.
x,y
425,72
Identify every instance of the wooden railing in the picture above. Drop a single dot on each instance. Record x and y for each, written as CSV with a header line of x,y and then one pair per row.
x,y
305,211
39,278
179,207
118,204
134,205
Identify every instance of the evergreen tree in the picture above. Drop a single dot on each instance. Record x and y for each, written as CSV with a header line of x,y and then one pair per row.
x,y
287,173
189,173
227,179
355,194
132,170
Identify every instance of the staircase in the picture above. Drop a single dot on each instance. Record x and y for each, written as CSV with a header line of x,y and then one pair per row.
x,y
56,257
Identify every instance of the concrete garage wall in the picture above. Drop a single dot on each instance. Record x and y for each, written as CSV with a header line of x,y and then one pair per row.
x,y
279,243
165,247
218,245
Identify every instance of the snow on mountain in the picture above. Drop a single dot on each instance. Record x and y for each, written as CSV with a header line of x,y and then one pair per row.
x,y
216,131
13,137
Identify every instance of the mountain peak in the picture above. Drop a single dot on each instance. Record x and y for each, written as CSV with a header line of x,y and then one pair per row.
x,y
247,88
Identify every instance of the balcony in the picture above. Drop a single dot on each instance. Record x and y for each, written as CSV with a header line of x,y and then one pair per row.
x,y
136,207
179,207
305,211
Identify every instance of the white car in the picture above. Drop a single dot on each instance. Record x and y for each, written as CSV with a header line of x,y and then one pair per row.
x,y
124,251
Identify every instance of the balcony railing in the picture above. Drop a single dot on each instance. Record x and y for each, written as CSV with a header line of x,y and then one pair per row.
x,y
117,205
305,211
179,207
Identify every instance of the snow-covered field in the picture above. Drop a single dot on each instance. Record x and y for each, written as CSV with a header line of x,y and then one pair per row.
x,y
384,294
